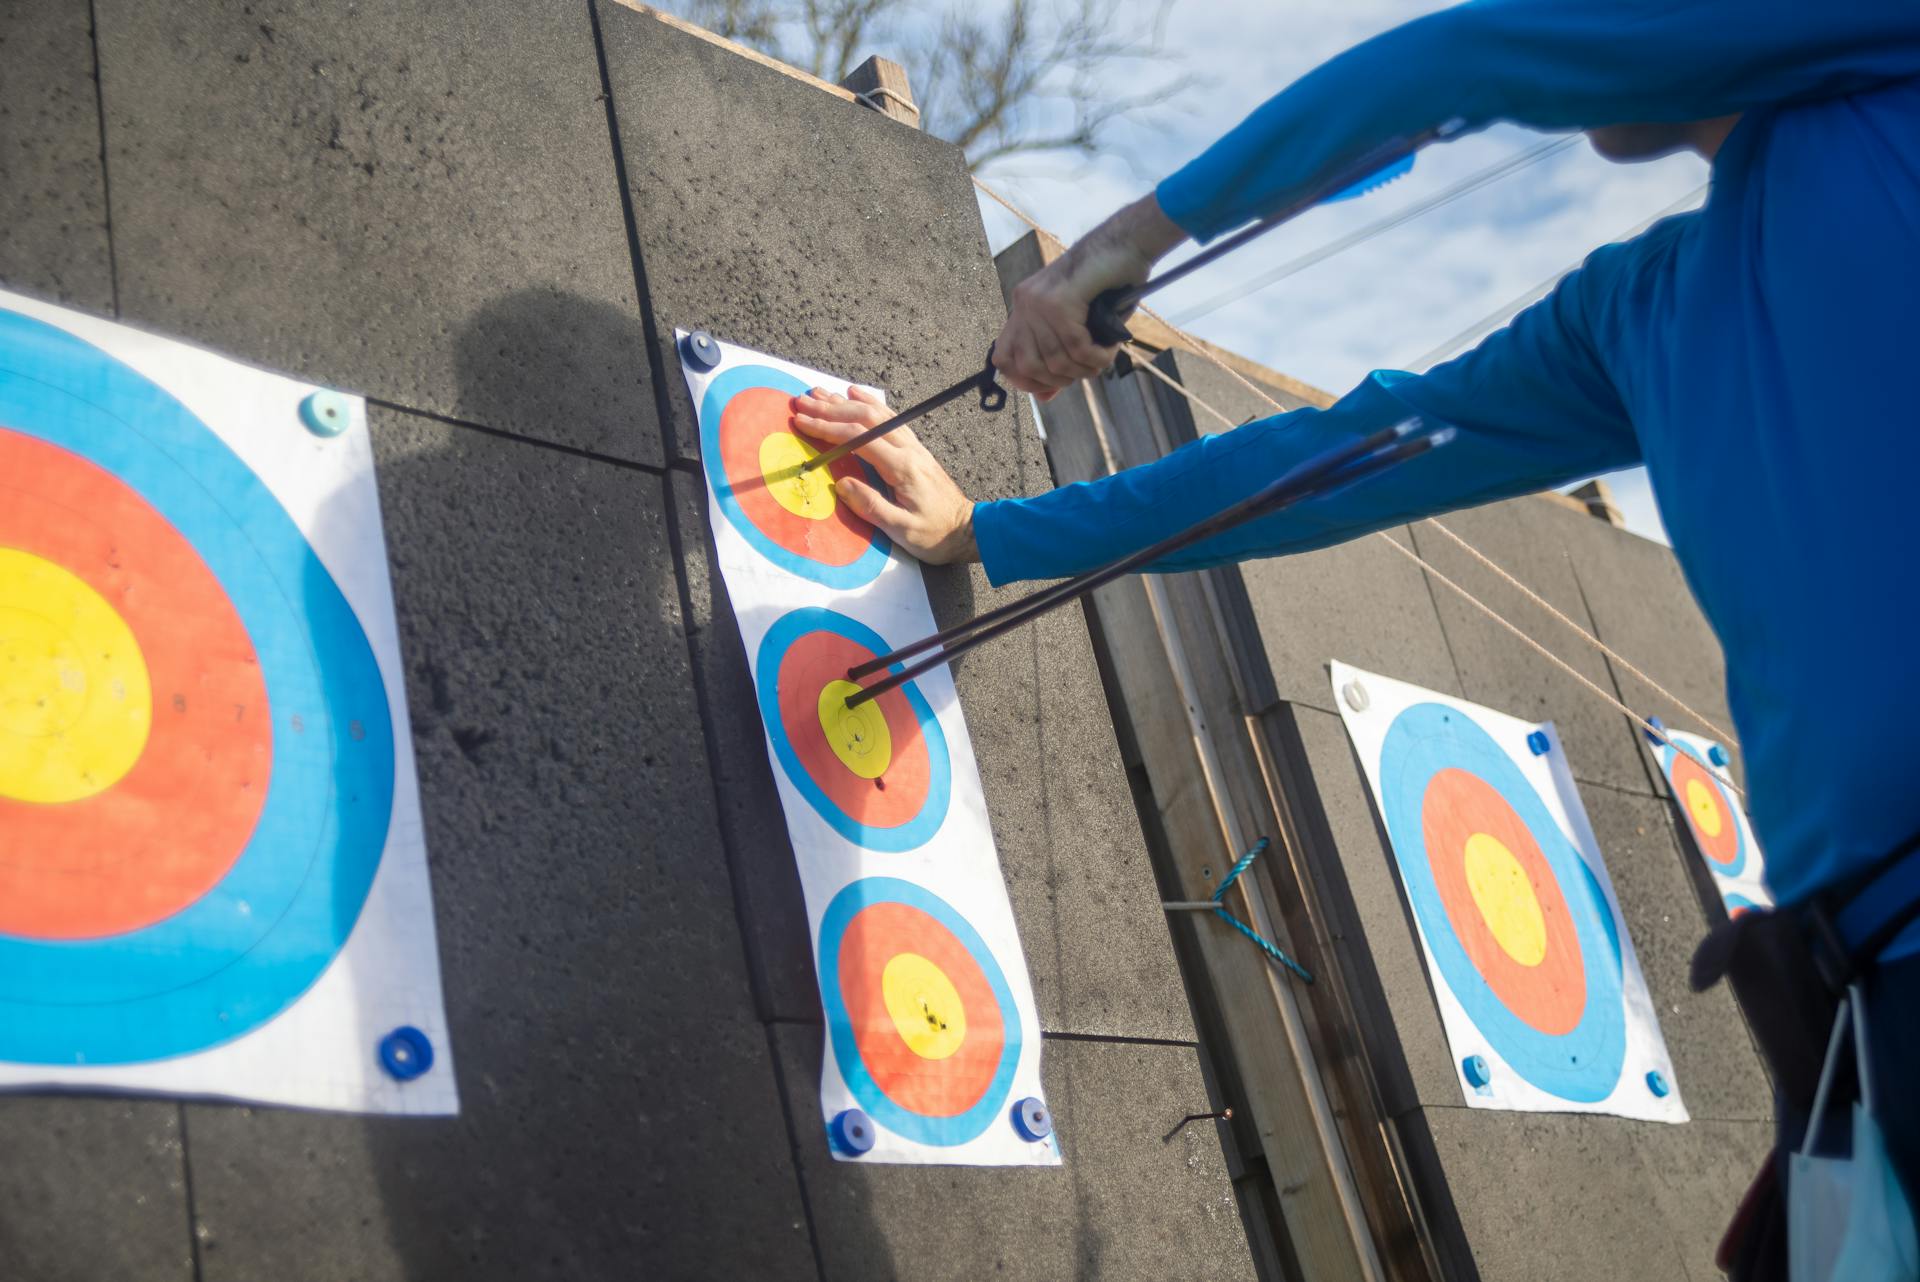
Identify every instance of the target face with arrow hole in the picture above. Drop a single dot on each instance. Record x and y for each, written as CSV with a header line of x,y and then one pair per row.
x,y
1713,817
197,745
1544,1005
879,774
932,1049
753,459
920,1017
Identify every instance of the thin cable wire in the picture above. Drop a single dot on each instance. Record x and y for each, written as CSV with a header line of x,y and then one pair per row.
x,y
1199,349
1500,316
1584,635
1657,734
1465,187
1143,359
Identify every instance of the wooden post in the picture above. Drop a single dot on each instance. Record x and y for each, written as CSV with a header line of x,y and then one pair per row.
x,y
881,83
1598,497
1176,692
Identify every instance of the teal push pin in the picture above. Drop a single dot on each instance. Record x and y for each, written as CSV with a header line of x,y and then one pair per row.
x,y
326,413
1657,1083
1716,754
1475,1070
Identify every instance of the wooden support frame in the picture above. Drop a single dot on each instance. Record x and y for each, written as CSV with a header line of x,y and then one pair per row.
x,y
1180,685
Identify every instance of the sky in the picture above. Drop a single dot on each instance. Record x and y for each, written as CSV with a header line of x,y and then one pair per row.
x,y
1390,301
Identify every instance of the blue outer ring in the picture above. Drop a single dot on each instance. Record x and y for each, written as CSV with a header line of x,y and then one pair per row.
x,y
1582,1065
933,812
1668,751
248,948
723,389
943,1132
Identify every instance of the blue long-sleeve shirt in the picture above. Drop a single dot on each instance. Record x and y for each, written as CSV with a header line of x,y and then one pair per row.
x,y
1756,355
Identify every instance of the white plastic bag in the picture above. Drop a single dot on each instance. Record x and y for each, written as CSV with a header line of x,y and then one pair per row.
x,y
1848,1219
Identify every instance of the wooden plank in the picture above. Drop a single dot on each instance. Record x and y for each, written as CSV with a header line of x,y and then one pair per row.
x,y
1234,685
1260,1014
881,83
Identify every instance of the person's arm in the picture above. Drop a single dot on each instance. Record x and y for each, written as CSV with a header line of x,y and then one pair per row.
x,y
1548,63
1533,406
1551,64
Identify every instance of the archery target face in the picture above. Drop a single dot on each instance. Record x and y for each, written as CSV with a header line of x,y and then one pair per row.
x,y
920,1018
878,774
1712,815
198,760
932,1040
753,456
1522,937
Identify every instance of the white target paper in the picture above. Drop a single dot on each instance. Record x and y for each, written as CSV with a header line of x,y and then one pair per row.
x,y
212,874
1543,1001
932,1039
1696,773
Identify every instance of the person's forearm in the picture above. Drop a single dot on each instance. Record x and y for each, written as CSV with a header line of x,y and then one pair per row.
x,y
1552,64
1532,407
1141,230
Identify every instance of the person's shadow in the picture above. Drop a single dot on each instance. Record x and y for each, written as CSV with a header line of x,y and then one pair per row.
x,y
614,954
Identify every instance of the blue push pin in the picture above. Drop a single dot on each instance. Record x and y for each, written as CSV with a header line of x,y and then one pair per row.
x,y
1658,1084
1716,754
1655,723
326,413
851,1132
1031,1119
406,1053
1474,1069
701,352
1538,741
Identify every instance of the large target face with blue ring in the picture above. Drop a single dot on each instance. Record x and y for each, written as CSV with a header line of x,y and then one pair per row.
x,y
196,749
920,1018
754,457
879,773
1515,921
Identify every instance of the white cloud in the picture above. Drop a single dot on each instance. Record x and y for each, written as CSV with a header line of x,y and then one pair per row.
x,y
1385,302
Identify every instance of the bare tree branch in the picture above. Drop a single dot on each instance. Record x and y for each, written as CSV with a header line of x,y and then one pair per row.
x,y
1023,77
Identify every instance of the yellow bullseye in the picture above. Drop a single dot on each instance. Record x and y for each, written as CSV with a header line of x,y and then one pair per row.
x,y
1705,808
805,494
858,736
925,1006
1505,899
75,700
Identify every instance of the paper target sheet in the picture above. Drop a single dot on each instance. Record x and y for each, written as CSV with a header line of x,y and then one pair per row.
x,y
1543,1001
212,875
933,1045
1696,771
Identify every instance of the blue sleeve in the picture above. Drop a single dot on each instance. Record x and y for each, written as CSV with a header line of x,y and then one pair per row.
x,y
1551,64
1533,406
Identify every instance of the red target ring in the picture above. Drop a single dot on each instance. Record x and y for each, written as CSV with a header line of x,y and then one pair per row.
x,y
899,793
168,830
882,935
753,415
1716,829
1503,901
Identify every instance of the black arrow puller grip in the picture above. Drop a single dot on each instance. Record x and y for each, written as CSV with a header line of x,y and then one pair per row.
x,y
993,397
1107,315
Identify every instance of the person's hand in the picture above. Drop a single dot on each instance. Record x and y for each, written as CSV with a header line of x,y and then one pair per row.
x,y
927,515
1044,346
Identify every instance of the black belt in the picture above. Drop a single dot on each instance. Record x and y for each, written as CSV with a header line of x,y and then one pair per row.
x,y
1851,924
